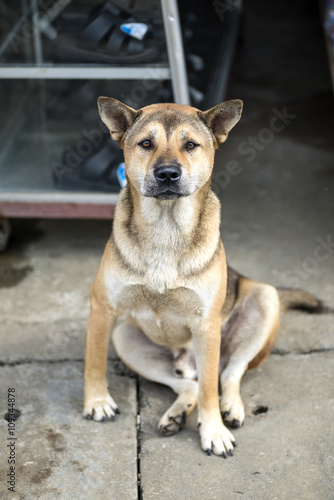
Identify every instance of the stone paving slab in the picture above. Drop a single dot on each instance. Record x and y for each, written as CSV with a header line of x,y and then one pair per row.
x,y
302,333
65,339
59,454
282,454
46,341
59,257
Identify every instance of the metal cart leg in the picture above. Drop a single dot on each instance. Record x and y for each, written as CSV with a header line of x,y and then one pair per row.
x,y
176,58
5,231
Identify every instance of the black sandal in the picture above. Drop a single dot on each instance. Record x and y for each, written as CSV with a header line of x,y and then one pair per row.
x,y
103,41
103,171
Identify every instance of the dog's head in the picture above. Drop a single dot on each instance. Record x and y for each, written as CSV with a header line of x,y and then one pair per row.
x,y
168,148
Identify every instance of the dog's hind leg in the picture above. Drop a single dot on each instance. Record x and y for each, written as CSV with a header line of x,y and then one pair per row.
x,y
248,335
155,363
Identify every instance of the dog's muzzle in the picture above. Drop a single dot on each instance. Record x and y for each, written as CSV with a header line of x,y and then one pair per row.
x,y
167,184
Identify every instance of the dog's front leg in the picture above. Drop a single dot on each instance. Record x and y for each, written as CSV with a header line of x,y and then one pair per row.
x,y
213,433
98,404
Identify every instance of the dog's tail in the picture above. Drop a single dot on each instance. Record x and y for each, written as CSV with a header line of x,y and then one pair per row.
x,y
298,300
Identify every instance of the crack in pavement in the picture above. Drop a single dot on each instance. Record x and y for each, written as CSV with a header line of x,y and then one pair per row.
x,y
300,352
138,436
47,361
126,372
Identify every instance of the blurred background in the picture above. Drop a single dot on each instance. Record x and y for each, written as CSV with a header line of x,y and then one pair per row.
x,y
58,57
60,175
275,173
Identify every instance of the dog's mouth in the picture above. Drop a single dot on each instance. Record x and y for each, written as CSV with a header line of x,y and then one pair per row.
x,y
164,192
168,195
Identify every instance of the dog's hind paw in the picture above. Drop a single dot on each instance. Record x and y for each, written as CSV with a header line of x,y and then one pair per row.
x,y
174,419
101,409
173,424
233,413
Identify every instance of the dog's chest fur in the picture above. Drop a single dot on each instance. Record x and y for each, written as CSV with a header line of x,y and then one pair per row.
x,y
153,280
154,243
164,317
163,240
157,298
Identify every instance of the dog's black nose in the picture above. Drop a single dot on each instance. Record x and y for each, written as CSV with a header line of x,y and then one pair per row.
x,y
167,174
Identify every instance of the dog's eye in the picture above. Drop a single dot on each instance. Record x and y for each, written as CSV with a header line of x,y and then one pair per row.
x,y
146,144
191,145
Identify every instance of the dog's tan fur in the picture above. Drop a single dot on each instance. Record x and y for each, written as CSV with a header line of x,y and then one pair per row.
x,y
164,278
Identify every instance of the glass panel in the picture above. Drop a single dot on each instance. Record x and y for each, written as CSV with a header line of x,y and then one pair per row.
x,y
52,136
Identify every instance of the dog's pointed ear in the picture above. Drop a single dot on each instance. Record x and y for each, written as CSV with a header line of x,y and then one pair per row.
x,y
117,116
221,118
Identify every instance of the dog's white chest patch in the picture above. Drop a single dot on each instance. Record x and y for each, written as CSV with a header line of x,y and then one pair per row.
x,y
164,317
165,328
161,275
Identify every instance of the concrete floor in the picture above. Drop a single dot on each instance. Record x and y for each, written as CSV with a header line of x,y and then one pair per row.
x,y
278,206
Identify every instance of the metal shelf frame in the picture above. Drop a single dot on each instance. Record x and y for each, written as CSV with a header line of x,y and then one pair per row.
x,y
176,70
55,205
57,72
88,205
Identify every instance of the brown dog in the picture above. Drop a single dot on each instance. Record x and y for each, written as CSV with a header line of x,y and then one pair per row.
x,y
164,277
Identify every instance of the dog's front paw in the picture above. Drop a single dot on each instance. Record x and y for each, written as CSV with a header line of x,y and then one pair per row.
x,y
100,409
216,438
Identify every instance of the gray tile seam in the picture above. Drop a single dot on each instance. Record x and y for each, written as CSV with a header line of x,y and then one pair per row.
x,y
138,437
275,352
47,361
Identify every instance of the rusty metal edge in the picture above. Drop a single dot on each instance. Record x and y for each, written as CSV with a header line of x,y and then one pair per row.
x,y
16,209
